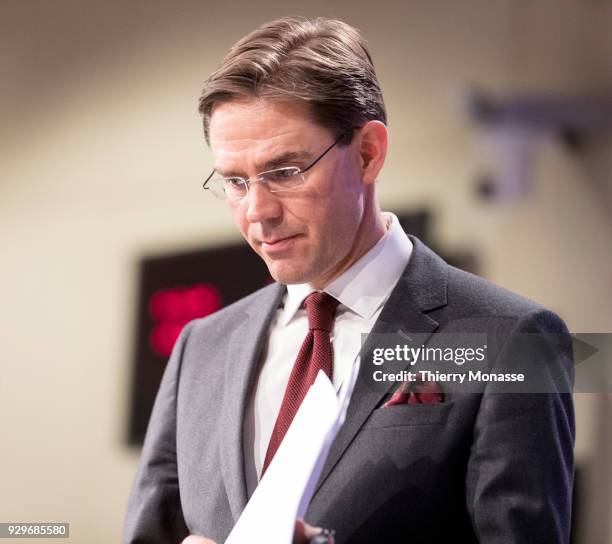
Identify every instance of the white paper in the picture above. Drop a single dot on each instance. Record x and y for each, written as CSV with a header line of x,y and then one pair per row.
x,y
288,484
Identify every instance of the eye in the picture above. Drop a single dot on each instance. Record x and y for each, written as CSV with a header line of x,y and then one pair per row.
x,y
282,174
234,183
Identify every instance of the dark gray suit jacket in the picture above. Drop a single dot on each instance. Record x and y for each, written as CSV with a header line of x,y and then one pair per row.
x,y
481,467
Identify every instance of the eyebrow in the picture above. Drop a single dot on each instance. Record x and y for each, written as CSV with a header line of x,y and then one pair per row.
x,y
277,162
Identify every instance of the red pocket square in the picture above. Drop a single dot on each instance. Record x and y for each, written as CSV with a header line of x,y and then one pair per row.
x,y
420,392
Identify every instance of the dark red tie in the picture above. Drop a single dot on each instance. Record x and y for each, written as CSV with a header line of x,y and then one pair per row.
x,y
314,355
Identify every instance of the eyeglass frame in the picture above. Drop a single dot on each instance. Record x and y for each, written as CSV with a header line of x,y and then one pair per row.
x,y
247,182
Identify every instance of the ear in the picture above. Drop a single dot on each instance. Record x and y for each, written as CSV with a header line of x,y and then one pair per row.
x,y
372,142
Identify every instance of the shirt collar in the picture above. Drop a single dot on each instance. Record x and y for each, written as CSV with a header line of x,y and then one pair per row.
x,y
365,286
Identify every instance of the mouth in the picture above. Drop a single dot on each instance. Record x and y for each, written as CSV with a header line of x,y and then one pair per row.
x,y
277,245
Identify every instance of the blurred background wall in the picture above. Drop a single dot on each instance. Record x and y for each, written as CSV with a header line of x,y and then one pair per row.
x,y
102,157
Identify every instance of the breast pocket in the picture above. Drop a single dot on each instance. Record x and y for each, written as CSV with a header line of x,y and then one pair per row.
x,y
409,414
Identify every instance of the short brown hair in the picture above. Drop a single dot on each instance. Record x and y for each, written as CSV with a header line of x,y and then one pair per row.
x,y
324,62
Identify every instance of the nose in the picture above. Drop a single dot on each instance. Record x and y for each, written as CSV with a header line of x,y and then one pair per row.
x,y
261,205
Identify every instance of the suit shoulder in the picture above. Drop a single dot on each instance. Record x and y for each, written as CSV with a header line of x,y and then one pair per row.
x,y
458,294
482,297
472,299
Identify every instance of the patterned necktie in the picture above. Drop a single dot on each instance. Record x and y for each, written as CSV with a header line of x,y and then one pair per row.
x,y
314,355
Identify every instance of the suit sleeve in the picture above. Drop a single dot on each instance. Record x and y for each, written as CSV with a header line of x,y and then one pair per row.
x,y
521,466
154,514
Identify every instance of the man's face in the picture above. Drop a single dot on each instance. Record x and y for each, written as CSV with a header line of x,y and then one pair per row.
x,y
305,236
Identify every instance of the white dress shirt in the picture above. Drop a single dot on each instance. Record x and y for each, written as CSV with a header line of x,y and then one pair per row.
x,y
362,291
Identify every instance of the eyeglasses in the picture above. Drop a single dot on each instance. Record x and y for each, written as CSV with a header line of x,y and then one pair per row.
x,y
278,180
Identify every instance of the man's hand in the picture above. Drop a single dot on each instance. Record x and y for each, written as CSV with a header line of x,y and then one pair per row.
x,y
194,539
303,534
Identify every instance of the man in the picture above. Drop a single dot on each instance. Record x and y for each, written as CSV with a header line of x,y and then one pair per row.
x,y
297,125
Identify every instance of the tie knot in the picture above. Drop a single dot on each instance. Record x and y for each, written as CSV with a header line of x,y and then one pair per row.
x,y
321,309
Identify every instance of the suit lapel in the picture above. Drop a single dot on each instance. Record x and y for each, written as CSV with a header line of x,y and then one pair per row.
x,y
244,347
421,288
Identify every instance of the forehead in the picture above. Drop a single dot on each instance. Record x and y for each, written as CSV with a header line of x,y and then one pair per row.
x,y
246,133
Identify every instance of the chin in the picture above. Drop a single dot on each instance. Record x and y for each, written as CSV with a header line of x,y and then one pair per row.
x,y
288,274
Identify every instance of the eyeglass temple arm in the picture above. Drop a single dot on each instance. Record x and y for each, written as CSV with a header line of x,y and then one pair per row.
x,y
322,155
208,179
